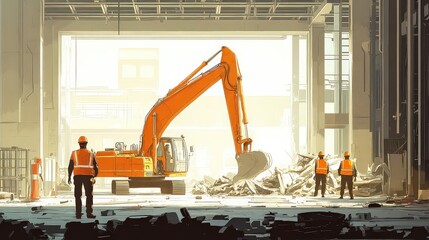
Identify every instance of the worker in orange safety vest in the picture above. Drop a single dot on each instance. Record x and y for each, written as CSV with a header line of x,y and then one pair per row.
x,y
321,169
347,171
84,166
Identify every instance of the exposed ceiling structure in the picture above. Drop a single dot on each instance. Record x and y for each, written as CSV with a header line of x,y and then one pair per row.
x,y
145,10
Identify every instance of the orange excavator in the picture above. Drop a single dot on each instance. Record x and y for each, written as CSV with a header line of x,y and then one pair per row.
x,y
160,157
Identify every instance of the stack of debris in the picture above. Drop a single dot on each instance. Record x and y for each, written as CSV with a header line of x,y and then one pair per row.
x,y
297,180
224,186
308,225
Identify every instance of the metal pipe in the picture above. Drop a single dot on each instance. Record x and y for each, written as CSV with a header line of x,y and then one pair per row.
x,y
119,17
308,91
185,4
337,134
372,48
21,55
32,75
189,15
385,59
340,57
155,140
192,74
1,76
410,100
419,94
398,64
203,64
380,22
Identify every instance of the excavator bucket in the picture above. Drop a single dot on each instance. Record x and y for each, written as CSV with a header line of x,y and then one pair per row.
x,y
251,164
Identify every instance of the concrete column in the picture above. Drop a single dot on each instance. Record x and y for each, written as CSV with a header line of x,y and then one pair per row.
x,y
359,117
295,93
316,96
1,71
51,83
21,113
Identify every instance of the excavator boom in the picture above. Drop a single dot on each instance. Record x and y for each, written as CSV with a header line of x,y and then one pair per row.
x,y
250,164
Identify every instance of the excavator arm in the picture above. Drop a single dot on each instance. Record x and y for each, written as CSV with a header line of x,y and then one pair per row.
x,y
177,99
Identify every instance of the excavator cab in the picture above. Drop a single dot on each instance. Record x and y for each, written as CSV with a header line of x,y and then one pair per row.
x,y
172,156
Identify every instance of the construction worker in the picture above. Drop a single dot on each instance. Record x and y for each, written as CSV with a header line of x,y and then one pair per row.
x,y
84,166
347,171
321,169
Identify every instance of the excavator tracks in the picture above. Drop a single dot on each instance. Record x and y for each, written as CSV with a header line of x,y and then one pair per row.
x,y
174,187
120,187
167,186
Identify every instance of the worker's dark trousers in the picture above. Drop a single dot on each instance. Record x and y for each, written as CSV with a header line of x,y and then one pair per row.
x,y
84,180
320,178
349,181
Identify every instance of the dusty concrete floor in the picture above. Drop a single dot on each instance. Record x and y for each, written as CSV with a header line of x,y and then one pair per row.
x,y
59,209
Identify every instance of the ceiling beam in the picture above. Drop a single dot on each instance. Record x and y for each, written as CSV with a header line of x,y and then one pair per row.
x,y
136,9
188,15
72,9
187,4
324,9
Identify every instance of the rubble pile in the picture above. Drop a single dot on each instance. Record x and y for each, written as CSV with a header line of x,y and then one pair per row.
x,y
297,180
224,186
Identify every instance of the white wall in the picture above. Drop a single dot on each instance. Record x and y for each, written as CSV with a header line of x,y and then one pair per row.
x,y
20,88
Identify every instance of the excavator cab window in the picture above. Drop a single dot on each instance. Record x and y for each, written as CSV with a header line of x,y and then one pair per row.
x,y
164,155
181,157
168,154
172,155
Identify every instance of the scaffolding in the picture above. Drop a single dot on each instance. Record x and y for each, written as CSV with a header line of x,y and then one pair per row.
x,y
15,171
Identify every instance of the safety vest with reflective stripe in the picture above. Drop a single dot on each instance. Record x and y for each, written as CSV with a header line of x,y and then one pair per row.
x,y
346,167
83,161
322,167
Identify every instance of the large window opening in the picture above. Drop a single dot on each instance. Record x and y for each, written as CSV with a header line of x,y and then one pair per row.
x,y
108,84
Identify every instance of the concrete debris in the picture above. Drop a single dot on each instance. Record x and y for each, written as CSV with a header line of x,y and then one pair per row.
x,y
374,205
364,216
76,230
63,186
15,229
268,219
244,225
37,209
239,223
4,195
220,217
418,233
404,201
308,225
224,186
108,213
297,180
187,219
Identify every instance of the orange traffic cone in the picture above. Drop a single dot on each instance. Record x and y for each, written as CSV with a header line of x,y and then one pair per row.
x,y
35,184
